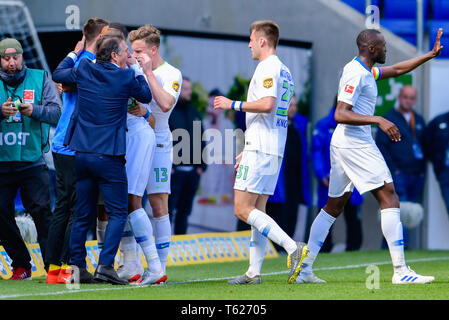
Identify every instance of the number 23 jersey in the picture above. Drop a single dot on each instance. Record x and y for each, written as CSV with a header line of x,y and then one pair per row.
x,y
267,132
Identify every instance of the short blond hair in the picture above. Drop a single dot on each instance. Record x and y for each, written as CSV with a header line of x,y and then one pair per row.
x,y
269,29
150,34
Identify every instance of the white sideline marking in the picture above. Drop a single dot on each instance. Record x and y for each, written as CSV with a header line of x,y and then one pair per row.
x,y
110,288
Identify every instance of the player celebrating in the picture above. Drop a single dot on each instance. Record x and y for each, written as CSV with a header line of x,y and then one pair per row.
x,y
165,82
269,95
355,158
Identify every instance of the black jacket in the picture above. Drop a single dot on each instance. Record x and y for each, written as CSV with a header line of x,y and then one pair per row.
x,y
400,156
187,117
436,144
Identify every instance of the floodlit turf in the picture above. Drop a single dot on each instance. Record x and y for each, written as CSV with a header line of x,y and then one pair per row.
x,y
345,273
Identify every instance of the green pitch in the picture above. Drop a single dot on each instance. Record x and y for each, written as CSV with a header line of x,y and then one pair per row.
x,y
348,276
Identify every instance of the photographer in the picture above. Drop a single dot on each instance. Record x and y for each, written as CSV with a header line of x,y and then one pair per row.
x,y
29,104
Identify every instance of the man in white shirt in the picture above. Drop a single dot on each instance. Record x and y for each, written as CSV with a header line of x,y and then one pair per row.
x,y
269,95
165,82
355,158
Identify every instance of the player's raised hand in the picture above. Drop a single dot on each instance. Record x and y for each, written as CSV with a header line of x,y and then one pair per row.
x,y
390,129
145,62
80,45
437,47
221,102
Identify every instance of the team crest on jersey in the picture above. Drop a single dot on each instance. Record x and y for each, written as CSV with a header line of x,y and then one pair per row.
x,y
175,86
267,83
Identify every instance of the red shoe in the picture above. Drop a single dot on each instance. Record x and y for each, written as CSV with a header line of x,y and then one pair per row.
x,y
65,275
52,276
21,274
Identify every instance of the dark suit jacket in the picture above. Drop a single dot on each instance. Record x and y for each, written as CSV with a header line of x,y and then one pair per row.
x,y
98,123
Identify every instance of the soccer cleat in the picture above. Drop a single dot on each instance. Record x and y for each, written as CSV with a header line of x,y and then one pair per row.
x,y
295,260
52,276
308,277
408,276
150,278
129,273
65,275
246,280
21,274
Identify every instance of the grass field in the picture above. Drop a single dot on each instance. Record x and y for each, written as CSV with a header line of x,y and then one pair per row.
x,y
345,273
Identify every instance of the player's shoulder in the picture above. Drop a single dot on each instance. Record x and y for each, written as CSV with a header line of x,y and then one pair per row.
x,y
171,70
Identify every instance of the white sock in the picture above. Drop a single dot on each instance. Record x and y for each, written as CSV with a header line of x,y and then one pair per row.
x,y
101,229
269,228
256,252
162,233
128,246
143,233
318,233
390,220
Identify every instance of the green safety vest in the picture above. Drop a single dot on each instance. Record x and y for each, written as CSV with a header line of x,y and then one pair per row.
x,y
24,140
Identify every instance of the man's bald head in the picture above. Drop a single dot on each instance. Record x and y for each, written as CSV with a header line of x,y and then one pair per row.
x,y
371,44
407,98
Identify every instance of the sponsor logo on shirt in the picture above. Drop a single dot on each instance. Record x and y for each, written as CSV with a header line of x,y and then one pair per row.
x,y
349,89
267,83
175,86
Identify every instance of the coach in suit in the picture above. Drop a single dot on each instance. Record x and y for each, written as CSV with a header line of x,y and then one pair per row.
x,y
96,132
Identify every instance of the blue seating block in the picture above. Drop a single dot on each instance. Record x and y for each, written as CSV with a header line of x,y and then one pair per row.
x,y
440,9
405,28
402,9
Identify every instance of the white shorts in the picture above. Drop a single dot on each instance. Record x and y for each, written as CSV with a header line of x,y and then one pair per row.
x,y
364,168
258,172
140,146
161,166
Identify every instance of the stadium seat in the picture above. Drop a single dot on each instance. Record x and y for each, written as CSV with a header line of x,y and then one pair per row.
x,y
405,28
433,30
403,9
440,9
359,5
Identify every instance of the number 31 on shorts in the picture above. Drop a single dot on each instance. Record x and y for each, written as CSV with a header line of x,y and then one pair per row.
x,y
242,171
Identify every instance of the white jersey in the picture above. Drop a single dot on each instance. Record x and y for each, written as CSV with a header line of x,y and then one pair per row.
x,y
267,132
134,123
358,88
170,79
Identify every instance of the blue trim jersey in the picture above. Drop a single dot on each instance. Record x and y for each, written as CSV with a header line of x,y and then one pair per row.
x,y
267,132
359,89
68,105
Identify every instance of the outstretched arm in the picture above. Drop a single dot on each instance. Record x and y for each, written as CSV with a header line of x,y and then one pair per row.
x,y
408,65
263,105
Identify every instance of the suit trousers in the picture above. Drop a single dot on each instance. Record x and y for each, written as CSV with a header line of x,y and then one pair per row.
x,y
106,174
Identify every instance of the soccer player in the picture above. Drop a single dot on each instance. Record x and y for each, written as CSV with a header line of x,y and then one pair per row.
x,y
269,95
355,158
140,146
165,83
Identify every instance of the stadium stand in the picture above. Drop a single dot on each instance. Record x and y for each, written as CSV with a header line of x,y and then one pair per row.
x,y
399,16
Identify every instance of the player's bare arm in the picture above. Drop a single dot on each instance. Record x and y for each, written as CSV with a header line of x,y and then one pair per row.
x,y
344,114
409,65
263,105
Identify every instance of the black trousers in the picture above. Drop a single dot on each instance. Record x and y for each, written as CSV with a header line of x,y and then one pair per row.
x,y
61,222
34,190
183,189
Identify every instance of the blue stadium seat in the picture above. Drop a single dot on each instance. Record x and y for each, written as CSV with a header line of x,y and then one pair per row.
x,y
440,9
402,9
405,28
359,5
433,30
